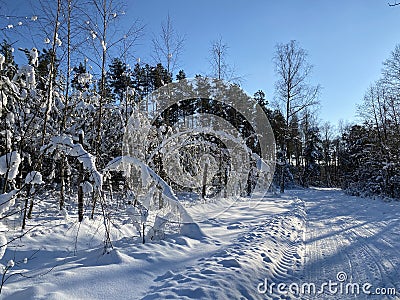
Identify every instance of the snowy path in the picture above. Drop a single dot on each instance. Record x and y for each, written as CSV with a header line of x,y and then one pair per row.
x,y
356,238
324,236
302,237
254,243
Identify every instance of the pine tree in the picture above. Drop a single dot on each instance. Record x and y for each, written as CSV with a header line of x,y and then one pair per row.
x,y
259,96
312,155
160,76
78,82
181,75
9,66
119,78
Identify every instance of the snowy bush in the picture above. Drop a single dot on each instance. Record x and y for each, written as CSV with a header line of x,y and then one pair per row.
x,y
171,210
9,164
34,177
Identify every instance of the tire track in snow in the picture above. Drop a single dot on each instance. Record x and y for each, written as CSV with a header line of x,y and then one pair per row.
x,y
339,239
375,259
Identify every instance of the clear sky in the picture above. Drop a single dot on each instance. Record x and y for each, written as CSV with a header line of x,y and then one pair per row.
x,y
347,40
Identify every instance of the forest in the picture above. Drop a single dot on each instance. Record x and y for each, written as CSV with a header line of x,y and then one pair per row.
x,y
56,99
66,111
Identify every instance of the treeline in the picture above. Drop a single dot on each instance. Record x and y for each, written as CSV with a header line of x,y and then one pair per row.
x,y
361,158
74,88
371,163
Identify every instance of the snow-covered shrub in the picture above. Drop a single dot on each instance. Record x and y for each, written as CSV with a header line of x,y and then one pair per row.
x,y
66,145
9,164
171,210
34,177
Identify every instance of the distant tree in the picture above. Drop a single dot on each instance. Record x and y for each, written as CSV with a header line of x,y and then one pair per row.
x,y
353,156
46,59
312,151
119,78
329,159
79,81
277,121
292,87
259,96
168,46
294,146
181,75
218,62
390,84
160,76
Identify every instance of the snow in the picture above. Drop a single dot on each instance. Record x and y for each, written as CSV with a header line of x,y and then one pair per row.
x,y
7,200
85,78
307,235
10,163
3,102
87,187
34,177
104,45
34,55
188,227
65,144
2,60
29,72
3,243
10,263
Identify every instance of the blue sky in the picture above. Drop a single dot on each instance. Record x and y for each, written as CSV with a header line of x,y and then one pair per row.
x,y
347,40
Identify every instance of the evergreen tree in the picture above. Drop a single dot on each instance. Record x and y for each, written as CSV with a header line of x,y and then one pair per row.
x,y
160,76
259,97
312,156
141,81
42,67
9,66
81,79
181,75
119,78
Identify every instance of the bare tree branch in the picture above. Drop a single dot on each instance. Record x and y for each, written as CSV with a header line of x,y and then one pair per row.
x,y
168,46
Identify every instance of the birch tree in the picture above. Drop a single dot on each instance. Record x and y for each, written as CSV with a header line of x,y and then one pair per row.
x,y
293,89
168,46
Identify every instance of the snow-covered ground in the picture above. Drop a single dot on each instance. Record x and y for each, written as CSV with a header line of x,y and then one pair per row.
x,y
308,237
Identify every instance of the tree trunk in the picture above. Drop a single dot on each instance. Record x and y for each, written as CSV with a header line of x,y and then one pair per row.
x,y
26,207
30,210
80,181
80,203
94,202
203,190
62,178
52,74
